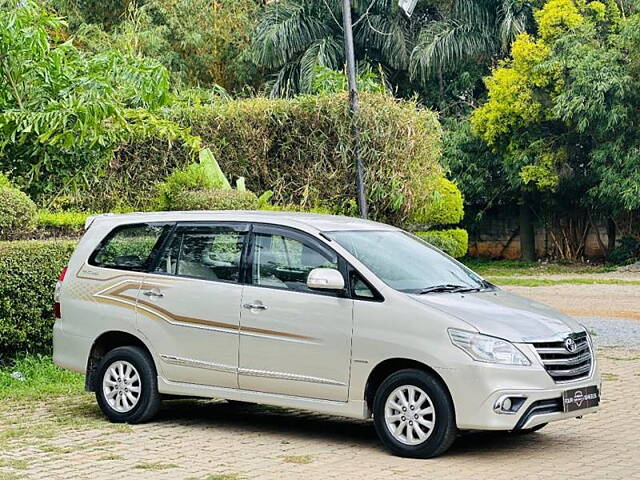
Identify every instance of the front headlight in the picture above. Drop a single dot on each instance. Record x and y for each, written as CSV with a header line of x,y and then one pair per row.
x,y
484,348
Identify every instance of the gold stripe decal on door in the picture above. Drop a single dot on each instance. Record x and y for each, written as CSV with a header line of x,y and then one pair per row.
x,y
115,295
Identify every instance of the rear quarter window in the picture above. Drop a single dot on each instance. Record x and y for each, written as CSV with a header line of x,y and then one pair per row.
x,y
129,247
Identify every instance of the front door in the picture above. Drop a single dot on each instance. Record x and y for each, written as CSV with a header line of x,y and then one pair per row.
x,y
293,340
189,307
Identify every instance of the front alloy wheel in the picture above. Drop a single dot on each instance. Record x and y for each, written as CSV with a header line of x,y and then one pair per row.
x,y
413,414
409,415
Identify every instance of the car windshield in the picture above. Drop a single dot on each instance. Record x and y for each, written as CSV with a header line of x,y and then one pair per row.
x,y
406,263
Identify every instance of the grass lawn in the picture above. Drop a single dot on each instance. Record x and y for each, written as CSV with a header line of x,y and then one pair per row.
x,y
544,282
41,379
511,268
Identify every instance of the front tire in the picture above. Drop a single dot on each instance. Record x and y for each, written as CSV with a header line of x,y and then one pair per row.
x,y
413,414
127,385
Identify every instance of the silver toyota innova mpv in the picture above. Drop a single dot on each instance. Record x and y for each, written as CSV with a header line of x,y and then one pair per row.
x,y
332,314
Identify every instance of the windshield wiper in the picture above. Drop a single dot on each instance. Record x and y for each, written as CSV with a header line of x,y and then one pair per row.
x,y
453,288
447,287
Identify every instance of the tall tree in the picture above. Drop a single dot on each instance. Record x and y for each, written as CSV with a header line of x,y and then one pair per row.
x,y
562,112
292,37
62,110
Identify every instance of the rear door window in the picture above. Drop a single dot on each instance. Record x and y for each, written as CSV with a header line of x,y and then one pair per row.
x,y
129,247
207,252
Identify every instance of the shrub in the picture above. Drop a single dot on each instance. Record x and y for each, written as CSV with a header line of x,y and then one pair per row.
x,y
445,207
627,252
300,148
453,242
205,175
298,208
62,221
214,200
4,181
17,212
28,274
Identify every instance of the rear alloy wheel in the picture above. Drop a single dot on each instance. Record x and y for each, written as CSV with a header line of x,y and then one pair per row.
x,y
121,386
127,388
413,414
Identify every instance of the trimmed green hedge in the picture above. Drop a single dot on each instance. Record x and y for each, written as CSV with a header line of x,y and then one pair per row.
x,y
455,241
63,221
445,207
300,148
17,213
28,274
214,200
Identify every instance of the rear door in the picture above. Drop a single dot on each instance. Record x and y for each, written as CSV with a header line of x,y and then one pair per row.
x,y
294,341
189,306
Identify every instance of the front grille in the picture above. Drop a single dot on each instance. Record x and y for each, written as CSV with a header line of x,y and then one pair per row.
x,y
563,365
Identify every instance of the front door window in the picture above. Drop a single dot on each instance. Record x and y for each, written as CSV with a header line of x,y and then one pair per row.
x,y
284,262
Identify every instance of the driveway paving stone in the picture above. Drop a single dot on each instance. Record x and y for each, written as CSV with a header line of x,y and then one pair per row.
x,y
218,440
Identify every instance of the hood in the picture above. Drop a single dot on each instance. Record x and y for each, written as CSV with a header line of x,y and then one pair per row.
x,y
503,314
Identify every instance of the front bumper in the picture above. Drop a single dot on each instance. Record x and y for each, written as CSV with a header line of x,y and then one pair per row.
x,y
476,388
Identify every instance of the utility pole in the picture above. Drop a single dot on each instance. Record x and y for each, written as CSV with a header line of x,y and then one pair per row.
x,y
353,104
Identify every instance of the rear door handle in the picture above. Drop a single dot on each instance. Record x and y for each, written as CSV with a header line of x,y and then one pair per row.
x,y
153,293
255,306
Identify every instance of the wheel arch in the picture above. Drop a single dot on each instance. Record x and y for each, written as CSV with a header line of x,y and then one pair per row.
x,y
103,344
391,365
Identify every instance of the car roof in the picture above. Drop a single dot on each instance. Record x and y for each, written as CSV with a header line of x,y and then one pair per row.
x,y
304,221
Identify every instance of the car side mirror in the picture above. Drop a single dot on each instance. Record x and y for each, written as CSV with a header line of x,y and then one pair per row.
x,y
325,279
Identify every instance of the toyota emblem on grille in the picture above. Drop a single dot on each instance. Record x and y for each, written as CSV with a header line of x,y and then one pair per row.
x,y
570,345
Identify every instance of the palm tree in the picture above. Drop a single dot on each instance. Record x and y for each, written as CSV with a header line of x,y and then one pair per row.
x,y
477,30
292,37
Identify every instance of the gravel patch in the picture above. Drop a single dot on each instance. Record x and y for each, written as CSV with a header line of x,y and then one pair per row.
x,y
613,332
601,301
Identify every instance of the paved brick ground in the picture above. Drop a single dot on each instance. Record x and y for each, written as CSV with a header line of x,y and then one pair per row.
x,y
69,439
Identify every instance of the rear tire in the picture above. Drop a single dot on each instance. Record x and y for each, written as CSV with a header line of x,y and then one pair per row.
x,y
414,415
127,385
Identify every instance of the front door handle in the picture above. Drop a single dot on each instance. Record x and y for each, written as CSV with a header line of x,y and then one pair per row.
x,y
153,293
255,306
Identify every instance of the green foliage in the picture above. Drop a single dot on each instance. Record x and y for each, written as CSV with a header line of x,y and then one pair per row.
x,y
62,110
201,42
476,170
4,181
628,251
214,200
205,175
64,221
445,206
294,37
28,274
17,213
454,242
301,149
562,111
41,379
326,81
298,208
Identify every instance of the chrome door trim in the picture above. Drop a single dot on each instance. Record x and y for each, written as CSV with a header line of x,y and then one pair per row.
x,y
190,362
288,376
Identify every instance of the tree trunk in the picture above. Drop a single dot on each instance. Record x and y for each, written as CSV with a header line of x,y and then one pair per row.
x,y
611,234
527,233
